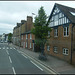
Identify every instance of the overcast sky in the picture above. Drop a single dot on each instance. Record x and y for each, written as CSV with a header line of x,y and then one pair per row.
x,y
12,12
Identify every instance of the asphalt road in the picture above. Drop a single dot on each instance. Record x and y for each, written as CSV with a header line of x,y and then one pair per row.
x,y
12,61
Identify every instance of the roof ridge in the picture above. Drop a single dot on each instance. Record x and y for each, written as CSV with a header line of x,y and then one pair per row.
x,y
64,6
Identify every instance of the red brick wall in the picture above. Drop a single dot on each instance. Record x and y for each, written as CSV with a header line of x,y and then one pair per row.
x,y
29,23
28,41
73,51
61,42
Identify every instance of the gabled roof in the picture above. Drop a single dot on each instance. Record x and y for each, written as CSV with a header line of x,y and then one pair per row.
x,y
67,11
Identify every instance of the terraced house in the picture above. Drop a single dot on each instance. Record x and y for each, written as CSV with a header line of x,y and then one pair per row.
x,y
26,36
62,38
22,34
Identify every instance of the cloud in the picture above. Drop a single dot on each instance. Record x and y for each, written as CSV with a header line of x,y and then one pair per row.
x,y
12,12
6,28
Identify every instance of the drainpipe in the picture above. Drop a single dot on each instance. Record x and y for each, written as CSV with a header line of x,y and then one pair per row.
x,y
71,43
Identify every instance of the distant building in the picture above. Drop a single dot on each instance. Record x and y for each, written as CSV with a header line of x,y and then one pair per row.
x,y
3,37
6,37
0,37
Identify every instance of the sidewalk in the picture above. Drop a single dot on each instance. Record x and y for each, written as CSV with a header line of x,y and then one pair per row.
x,y
57,65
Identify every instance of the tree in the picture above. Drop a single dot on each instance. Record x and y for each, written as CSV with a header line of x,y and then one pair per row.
x,y
41,29
10,37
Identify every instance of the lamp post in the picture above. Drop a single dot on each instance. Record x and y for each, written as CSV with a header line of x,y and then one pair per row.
x,y
33,40
20,34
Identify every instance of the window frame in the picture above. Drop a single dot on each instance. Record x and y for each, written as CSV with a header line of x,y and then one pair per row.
x,y
55,49
56,32
22,37
48,33
48,48
26,45
66,32
26,36
64,52
30,45
30,36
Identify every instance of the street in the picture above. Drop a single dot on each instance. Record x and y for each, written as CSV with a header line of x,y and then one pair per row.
x,y
13,61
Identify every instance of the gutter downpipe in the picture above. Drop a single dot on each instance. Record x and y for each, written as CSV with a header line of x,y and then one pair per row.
x,y
71,43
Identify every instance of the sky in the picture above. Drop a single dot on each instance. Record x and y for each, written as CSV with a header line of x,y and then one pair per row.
x,y
12,12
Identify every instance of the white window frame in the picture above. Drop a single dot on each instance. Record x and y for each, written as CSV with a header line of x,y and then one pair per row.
x,y
55,49
48,48
30,36
26,44
65,51
55,32
30,45
22,37
66,35
26,36
48,33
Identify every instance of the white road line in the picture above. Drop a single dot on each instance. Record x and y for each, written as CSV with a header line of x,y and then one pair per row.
x,y
3,47
7,52
37,66
24,56
41,64
14,48
7,48
10,59
19,51
13,70
10,48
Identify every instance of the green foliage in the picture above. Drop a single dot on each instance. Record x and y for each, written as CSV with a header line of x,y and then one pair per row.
x,y
10,37
41,28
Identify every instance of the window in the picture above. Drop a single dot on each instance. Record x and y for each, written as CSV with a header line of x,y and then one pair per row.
x,y
30,36
66,31
56,20
30,45
48,48
48,33
60,15
65,51
26,36
26,44
55,32
55,49
22,37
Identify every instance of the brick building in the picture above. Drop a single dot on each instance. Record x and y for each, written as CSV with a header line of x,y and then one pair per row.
x,y
26,36
22,33
62,37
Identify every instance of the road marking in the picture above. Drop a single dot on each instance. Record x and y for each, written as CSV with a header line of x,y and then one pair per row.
x,y
3,47
7,52
10,48
19,51
24,56
14,48
7,48
41,64
36,65
10,59
13,70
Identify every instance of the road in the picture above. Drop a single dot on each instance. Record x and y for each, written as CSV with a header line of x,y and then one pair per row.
x,y
13,61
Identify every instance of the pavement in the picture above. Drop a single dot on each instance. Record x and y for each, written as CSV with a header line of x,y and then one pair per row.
x,y
57,65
